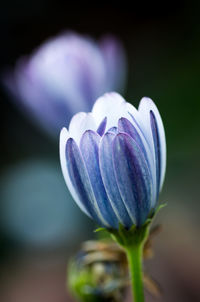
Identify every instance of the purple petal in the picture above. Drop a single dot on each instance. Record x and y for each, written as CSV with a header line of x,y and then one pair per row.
x,y
125,126
89,146
102,127
109,180
156,140
80,180
133,177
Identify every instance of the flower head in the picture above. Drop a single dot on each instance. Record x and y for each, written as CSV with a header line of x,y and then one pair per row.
x,y
65,75
113,160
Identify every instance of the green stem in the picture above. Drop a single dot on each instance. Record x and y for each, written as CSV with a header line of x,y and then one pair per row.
x,y
134,255
133,240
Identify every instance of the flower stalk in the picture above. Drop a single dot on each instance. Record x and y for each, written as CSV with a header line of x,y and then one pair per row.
x,y
133,241
134,255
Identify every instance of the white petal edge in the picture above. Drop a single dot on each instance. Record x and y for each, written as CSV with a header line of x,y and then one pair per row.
x,y
145,106
64,136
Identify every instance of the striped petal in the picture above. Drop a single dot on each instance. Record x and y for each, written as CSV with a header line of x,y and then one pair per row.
x,y
81,182
133,177
109,180
146,106
124,125
134,116
64,136
89,147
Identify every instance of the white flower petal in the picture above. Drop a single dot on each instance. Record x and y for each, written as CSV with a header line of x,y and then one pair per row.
x,y
64,136
146,105
108,106
81,122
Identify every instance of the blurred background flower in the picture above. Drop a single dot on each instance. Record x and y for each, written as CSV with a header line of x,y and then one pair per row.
x,y
65,75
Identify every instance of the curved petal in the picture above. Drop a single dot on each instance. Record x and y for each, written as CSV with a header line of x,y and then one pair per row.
x,y
133,177
109,180
108,106
125,126
136,118
80,180
156,141
145,107
89,147
64,136
133,115
81,122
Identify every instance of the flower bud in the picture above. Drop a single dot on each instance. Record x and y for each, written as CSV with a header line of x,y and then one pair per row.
x,y
113,160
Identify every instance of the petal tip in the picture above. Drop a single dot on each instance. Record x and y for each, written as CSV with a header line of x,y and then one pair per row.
x,y
146,101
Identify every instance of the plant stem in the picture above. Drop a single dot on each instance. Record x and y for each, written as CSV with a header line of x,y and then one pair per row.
x,y
133,241
134,255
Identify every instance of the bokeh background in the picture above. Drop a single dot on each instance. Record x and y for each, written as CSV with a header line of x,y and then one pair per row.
x,y
40,226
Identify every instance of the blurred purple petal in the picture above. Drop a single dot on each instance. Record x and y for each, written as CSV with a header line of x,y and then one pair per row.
x,y
63,76
115,60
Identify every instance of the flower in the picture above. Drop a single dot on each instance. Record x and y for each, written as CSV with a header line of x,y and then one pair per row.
x,y
66,75
113,160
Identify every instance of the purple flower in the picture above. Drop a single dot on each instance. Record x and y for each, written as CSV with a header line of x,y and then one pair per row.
x,y
66,75
113,160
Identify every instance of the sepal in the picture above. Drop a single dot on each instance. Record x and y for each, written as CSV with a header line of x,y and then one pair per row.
x,y
135,235
131,237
